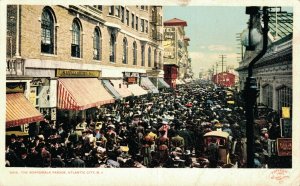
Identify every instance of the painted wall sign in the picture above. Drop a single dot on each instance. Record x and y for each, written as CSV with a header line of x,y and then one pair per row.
x,y
77,73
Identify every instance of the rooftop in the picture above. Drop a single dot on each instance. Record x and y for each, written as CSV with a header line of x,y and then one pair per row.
x,y
280,23
175,22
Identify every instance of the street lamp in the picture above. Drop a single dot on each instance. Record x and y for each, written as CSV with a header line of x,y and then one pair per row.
x,y
250,84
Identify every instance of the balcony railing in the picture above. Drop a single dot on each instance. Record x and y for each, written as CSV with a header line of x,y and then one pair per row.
x,y
15,67
157,36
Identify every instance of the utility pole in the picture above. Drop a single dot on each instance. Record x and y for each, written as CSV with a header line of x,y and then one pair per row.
x,y
240,46
222,61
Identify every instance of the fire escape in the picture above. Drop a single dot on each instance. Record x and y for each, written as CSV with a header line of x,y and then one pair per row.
x,y
156,26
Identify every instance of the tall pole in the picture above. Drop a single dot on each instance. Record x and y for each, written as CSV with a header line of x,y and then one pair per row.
x,y
222,61
250,84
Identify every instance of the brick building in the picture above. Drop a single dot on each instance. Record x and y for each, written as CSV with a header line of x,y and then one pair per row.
x,y
48,44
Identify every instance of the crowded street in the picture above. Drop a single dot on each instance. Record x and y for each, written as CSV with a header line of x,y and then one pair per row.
x,y
149,86
155,130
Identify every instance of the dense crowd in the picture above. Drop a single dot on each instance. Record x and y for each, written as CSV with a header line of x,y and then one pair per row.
x,y
155,130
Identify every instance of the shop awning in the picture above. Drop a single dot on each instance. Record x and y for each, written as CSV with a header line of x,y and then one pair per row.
x,y
81,93
111,89
121,88
19,111
137,90
160,82
145,82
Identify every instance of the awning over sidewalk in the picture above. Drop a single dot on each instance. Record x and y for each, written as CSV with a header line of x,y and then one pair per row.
x,y
160,82
137,90
81,93
19,111
121,88
111,89
145,82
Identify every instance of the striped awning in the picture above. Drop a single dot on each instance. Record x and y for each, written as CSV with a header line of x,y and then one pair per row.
x,y
145,82
111,89
81,93
19,111
137,90
121,88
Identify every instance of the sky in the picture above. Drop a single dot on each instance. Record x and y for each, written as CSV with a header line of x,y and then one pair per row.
x,y
212,32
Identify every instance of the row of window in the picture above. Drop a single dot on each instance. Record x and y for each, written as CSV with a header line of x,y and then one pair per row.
x,y
284,96
47,42
119,11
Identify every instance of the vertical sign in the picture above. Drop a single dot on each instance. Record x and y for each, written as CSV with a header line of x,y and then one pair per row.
x,y
286,112
169,43
32,95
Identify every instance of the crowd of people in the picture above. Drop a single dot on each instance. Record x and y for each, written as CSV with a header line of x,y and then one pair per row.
x,y
155,130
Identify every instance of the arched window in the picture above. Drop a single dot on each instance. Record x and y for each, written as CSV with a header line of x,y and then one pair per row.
x,y
112,47
149,57
47,35
284,95
134,48
155,59
268,95
76,39
160,61
97,44
125,49
143,54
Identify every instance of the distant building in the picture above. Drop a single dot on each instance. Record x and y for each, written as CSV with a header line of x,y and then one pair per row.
x,y
175,45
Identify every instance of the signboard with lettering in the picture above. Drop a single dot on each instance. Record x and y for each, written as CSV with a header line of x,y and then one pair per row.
x,y
44,96
286,127
131,80
286,112
77,73
32,95
15,87
284,146
272,147
169,43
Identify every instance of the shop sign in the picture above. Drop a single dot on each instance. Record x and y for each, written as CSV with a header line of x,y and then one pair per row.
x,y
131,74
32,96
39,82
53,113
286,127
15,87
44,96
77,73
131,79
284,146
286,112
143,75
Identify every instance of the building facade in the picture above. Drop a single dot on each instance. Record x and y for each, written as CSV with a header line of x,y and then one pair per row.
x,y
273,71
49,43
175,50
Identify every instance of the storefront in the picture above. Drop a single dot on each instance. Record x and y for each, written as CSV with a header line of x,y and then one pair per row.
x,y
19,110
170,76
78,91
